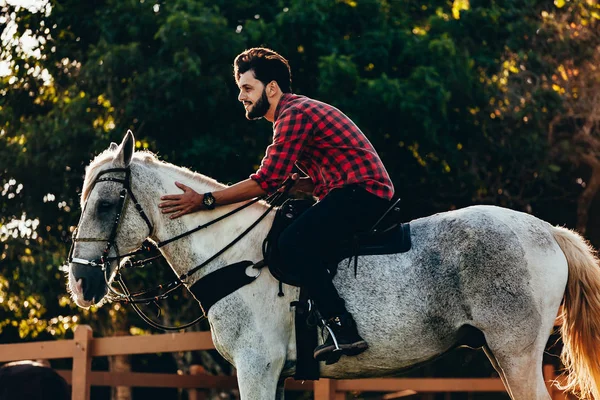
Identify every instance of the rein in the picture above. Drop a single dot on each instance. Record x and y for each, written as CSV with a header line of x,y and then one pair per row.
x,y
140,297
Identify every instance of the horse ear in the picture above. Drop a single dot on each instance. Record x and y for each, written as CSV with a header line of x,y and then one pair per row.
x,y
125,150
113,146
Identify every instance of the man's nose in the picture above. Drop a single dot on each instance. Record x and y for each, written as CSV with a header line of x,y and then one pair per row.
x,y
241,96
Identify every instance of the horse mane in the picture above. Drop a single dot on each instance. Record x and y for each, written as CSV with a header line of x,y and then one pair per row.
x,y
139,157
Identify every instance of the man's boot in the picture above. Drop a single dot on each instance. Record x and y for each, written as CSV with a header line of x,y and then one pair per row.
x,y
343,338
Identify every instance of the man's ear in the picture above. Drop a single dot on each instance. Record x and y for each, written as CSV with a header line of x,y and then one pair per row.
x,y
272,87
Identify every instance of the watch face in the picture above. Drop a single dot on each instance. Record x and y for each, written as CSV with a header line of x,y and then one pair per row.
x,y
208,199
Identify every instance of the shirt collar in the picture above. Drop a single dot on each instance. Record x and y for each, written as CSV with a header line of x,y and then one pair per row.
x,y
285,98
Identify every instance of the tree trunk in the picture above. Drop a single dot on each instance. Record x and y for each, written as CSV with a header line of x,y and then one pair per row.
x,y
121,363
587,196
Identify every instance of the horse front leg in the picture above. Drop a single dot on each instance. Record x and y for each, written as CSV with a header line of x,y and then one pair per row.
x,y
259,376
280,395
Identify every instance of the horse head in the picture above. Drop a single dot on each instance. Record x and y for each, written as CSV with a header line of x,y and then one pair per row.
x,y
112,224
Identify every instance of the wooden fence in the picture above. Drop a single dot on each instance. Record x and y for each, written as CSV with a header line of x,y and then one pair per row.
x,y
83,347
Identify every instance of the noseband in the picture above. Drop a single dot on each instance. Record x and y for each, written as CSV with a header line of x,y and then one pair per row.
x,y
144,296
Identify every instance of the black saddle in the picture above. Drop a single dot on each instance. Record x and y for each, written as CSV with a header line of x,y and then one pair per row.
x,y
387,236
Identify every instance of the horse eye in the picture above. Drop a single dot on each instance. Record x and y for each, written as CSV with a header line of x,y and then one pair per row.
x,y
104,206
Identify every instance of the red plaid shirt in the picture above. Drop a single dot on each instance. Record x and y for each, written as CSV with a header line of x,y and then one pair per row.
x,y
326,145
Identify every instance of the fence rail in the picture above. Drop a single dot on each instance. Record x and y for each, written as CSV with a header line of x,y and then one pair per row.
x,y
83,347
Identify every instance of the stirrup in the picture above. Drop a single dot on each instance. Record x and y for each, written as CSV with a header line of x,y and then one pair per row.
x,y
337,353
335,342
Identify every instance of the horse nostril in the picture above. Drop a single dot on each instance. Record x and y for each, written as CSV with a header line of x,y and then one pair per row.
x,y
83,284
88,282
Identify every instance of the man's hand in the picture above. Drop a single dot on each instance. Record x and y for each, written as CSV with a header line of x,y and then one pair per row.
x,y
304,185
181,204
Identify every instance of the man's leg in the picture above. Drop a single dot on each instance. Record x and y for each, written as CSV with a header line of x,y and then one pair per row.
x,y
305,245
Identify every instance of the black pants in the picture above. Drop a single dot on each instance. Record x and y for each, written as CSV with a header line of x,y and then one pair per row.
x,y
306,243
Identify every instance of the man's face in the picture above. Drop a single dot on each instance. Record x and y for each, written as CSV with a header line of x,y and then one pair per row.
x,y
253,95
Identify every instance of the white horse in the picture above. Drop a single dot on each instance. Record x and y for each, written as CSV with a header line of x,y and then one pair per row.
x,y
501,272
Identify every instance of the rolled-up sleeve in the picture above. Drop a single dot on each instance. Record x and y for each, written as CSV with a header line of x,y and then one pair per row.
x,y
290,133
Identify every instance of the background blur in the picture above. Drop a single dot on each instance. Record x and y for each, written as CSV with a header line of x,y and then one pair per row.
x,y
467,102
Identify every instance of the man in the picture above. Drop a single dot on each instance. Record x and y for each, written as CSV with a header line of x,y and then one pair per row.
x,y
344,172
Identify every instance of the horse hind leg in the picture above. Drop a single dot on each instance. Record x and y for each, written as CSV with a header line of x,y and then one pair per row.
x,y
495,364
517,354
521,371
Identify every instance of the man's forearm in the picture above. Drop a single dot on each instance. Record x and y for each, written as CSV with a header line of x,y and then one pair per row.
x,y
241,191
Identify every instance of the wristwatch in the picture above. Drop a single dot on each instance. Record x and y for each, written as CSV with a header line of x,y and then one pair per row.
x,y
208,200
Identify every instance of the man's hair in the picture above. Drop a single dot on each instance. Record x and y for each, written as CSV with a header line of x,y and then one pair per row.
x,y
267,66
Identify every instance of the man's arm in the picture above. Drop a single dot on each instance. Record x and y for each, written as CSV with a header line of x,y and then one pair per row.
x,y
190,201
291,132
244,190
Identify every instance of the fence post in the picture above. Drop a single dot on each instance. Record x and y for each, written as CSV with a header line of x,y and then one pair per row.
x,y
324,389
82,363
196,394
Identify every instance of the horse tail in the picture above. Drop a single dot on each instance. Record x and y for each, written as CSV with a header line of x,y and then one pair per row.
x,y
580,315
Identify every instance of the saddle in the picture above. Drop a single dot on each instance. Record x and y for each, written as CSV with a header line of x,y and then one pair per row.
x,y
387,236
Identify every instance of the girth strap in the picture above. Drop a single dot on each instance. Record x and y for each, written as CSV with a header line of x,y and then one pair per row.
x,y
221,283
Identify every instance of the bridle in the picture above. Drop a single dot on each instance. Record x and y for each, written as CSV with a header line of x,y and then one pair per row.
x,y
104,259
162,291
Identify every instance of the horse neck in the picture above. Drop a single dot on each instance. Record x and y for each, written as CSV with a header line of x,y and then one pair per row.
x,y
192,250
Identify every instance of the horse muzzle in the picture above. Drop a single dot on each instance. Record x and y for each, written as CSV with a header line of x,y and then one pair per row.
x,y
87,284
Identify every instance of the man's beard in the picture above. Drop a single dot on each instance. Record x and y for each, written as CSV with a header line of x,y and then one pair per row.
x,y
260,108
